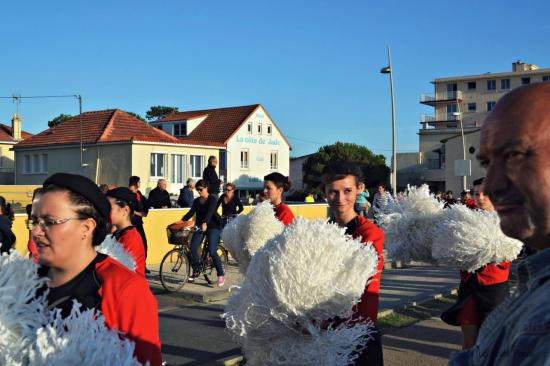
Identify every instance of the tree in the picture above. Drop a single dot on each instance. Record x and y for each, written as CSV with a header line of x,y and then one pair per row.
x,y
373,166
59,119
137,116
159,111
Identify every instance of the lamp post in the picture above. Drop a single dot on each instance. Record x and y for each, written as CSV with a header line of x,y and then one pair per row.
x,y
459,116
388,70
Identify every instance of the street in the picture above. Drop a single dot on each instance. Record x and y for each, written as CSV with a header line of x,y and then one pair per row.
x,y
194,334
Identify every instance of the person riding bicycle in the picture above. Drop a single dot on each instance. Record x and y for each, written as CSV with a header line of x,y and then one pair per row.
x,y
230,202
209,223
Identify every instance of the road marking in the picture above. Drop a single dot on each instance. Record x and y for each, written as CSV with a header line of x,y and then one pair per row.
x,y
167,309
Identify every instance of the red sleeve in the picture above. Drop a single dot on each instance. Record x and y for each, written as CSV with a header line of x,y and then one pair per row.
x,y
132,243
368,306
493,274
284,214
129,307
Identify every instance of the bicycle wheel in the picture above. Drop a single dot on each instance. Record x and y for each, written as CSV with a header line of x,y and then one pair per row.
x,y
174,270
223,254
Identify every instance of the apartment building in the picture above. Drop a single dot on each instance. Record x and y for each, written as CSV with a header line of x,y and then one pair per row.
x,y
460,105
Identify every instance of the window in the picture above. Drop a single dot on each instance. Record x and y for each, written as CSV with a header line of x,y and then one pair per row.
x,y
249,127
472,85
546,78
244,159
35,163
451,110
159,127
274,160
197,163
491,85
157,165
269,127
452,87
259,129
44,167
180,129
27,164
490,106
178,168
505,84
525,81
471,107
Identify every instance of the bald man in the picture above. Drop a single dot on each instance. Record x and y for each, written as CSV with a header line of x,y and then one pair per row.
x,y
515,151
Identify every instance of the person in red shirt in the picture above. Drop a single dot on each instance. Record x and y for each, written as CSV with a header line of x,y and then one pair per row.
x,y
479,292
340,181
123,202
274,186
67,222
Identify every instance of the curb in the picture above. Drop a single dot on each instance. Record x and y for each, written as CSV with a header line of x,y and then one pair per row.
x,y
387,312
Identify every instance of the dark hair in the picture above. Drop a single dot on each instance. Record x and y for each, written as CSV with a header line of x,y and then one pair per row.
x,y
231,185
84,210
133,181
279,180
337,170
451,192
478,182
123,203
210,158
202,183
6,208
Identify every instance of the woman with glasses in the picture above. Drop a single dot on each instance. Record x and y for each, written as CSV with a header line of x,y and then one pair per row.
x,y
204,209
67,221
123,203
275,184
230,202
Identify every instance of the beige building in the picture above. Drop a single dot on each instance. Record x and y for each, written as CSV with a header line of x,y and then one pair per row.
x,y
108,147
462,101
250,143
9,137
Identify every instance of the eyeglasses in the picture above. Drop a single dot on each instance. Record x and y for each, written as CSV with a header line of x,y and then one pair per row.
x,y
45,224
229,190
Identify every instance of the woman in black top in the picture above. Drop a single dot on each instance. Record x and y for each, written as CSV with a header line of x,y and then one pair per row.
x,y
231,204
7,237
209,222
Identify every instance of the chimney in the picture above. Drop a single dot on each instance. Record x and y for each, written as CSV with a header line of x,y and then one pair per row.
x,y
16,127
518,66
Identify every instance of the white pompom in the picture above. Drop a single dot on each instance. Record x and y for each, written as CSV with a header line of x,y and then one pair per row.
x,y
115,250
309,273
470,239
409,225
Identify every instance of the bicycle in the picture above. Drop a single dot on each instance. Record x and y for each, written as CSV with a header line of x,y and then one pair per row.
x,y
175,267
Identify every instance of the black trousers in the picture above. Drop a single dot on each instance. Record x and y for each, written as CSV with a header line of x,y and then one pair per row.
x,y
372,355
139,228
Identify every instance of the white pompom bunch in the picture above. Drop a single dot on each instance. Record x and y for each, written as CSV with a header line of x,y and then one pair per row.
x,y
245,234
30,334
80,339
21,311
409,225
470,239
115,250
311,272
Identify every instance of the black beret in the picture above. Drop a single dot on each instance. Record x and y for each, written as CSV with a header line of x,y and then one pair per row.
x,y
124,194
84,187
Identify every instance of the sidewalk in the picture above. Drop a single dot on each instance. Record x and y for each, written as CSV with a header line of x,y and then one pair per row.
x,y
399,287
426,343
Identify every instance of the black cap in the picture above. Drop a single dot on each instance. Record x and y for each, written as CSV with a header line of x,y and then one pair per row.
x,y
84,187
124,194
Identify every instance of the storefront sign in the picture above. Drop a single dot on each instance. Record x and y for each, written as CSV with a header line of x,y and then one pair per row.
x,y
258,141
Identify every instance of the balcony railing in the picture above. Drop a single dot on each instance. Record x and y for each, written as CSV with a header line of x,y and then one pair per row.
x,y
448,120
450,96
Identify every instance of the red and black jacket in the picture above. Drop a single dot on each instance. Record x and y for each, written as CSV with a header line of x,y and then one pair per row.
x,y
284,214
131,241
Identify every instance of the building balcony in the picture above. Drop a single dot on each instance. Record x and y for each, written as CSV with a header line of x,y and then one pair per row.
x,y
447,120
440,98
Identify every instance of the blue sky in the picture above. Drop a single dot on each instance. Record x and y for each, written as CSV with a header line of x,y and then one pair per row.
x,y
313,64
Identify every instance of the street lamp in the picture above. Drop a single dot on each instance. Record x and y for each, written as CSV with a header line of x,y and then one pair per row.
x,y
458,115
388,70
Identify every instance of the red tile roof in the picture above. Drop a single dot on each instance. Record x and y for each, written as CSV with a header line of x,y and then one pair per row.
x,y
112,125
6,134
219,125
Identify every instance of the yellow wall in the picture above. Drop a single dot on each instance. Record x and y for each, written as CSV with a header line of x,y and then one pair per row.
x,y
21,195
155,227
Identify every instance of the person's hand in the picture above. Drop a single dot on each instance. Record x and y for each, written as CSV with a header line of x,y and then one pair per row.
x,y
203,227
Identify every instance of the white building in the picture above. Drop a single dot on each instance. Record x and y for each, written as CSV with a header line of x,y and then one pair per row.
x,y
249,142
